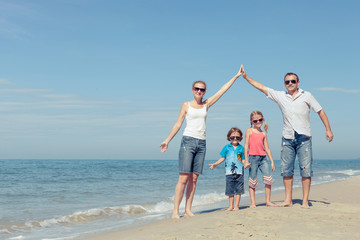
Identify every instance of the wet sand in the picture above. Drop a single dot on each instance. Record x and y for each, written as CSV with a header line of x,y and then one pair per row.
x,y
334,214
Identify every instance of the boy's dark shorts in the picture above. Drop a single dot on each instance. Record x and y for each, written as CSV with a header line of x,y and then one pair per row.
x,y
234,184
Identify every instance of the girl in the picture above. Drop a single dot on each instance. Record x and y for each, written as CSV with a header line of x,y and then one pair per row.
x,y
257,147
233,155
193,145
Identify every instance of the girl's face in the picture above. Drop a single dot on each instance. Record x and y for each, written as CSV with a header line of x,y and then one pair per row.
x,y
257,120
235,138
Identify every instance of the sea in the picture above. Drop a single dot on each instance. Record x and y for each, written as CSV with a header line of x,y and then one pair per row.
x,y
76,199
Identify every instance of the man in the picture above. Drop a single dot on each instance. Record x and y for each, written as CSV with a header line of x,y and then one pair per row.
x,y
296,141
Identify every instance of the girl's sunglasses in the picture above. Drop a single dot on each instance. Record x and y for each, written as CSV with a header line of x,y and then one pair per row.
x,y
235,137
196,89
260,120
292,81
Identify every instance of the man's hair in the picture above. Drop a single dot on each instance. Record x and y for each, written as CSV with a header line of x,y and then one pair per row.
x,y
290,73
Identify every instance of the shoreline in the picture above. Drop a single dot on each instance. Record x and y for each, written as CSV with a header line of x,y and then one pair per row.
x,y
333,214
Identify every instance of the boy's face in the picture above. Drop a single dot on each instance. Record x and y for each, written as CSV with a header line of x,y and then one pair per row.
x,y
235,138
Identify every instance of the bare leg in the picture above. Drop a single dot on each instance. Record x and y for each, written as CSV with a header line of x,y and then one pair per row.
x,y
237,202
179,193
288,184
268,196
306,182
190,192
231,203
252,197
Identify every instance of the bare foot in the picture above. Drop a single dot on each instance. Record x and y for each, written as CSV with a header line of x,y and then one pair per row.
x,y
270,204
285,204
305,206
175,216
189,214
229,209
253,206
236,209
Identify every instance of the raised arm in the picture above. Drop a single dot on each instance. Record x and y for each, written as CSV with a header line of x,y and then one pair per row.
x,y
175,128
325,120
213,99
254,83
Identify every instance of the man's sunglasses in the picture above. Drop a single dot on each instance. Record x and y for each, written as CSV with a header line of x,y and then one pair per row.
x,y
196,89
292,81
260,120
235,137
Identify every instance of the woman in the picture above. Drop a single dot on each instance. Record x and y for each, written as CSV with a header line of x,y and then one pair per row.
x,y
193,144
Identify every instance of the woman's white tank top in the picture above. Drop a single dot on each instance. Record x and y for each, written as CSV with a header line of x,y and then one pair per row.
x,y
196,122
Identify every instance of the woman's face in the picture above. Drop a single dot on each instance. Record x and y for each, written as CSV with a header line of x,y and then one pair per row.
x,y
199,89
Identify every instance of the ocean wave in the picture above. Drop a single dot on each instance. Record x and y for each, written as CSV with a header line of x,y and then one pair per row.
x,y
125,211
17,238
208,199
80,217
348,172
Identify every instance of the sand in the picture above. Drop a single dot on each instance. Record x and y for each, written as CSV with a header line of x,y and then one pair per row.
x,y
334,214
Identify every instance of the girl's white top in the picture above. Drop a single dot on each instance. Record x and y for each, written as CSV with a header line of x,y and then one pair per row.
x,y
196,122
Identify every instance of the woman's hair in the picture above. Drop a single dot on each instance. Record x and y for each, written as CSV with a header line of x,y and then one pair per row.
x,y
232,130
199,82
266,126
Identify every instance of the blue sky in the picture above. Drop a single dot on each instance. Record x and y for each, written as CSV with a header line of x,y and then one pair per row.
x,y
97,79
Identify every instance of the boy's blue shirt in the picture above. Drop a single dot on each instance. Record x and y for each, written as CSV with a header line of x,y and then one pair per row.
x,y
232,164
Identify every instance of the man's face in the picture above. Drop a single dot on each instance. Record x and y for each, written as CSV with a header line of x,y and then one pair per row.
x,y
291,83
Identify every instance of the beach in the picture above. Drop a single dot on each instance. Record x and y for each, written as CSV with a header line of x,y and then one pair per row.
x,y
79,199
333,214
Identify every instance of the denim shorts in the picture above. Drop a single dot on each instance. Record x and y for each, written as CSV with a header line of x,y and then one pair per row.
x,y
301,147
234,184
192,155
259,162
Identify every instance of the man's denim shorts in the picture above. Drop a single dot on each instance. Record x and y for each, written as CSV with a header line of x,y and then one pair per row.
x,y
259,162
234,184
301,147
192,155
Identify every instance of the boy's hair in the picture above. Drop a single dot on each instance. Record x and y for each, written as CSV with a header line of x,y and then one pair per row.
x,y
266,126
232,130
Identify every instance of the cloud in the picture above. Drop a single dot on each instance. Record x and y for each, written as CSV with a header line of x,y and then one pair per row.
x,y
342,90
34,99
4,81
56,103
24,90
235,103
10,30
10,14
57,96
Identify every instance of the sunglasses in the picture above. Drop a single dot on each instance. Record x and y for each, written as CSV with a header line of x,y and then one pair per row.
x,y
234,137
292,81
196,89
260,120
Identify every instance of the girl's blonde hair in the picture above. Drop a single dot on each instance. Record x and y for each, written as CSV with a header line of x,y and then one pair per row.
x,y
266,126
